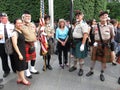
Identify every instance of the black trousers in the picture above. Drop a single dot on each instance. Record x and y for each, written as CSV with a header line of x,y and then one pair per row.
x,y
4,58
63,49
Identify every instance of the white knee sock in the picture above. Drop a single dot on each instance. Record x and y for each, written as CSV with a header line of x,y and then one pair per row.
x,y
32,69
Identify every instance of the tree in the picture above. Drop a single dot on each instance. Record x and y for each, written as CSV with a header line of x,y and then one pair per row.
x,y
15,8
114,10
99,5
86,6
90,8
61,9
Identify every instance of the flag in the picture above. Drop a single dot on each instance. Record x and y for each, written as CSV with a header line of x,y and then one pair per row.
x,y
42,35
43,38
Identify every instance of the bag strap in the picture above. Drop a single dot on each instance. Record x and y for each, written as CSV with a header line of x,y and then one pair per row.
x,y
100,35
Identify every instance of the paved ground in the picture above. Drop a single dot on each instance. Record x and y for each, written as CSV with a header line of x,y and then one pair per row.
x,y
59,79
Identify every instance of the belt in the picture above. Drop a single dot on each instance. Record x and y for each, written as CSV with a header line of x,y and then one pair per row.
x,y
30,43
80,39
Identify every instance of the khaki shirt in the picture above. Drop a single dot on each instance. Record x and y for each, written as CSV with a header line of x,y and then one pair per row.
x,y
49,30
107,32
80,29
29,32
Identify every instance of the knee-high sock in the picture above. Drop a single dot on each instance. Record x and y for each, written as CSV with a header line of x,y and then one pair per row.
x,y
33,62
48,59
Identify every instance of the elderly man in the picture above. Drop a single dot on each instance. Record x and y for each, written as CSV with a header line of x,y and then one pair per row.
x,y
6,29
102,51
30,37
80,35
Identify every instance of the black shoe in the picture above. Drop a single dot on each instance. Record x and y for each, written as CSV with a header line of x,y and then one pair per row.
x,y
6,74
30,77
89,73
114,64
49,67
66,64
119,80
34,72
102,78
1,86
80,73
61,66
72,69
14,71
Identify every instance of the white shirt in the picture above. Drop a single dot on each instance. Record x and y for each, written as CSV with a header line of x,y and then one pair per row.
x,y
9,28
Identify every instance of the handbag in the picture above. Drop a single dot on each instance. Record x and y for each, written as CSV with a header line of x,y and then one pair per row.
x,y
99,52
31,49
8,46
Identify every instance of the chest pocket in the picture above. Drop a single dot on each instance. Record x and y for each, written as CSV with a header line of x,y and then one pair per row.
x,y
106,33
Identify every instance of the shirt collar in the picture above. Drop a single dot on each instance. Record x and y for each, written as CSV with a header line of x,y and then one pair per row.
x,y
80,22
103,25
5,24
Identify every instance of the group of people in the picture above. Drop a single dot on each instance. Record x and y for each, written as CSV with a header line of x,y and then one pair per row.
x,y
102,42
24,34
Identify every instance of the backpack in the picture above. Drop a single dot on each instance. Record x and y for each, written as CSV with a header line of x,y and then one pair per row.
x,y
8,46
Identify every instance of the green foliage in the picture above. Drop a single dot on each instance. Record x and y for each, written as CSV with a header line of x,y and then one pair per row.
x,y
99,5
61,9
15,8
114,10
91,8
86,6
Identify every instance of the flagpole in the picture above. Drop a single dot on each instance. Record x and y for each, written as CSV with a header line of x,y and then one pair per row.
x,y
70,32
71,11
42,16
42,10
51,12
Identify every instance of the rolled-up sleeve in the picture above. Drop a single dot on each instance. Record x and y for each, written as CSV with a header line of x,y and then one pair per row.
x,y
85,28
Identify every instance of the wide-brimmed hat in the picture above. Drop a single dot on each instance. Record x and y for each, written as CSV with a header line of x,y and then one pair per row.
x,y
61,20
102,13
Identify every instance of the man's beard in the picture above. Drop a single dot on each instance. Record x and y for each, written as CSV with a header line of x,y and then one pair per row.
x,y
27,21
104,20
